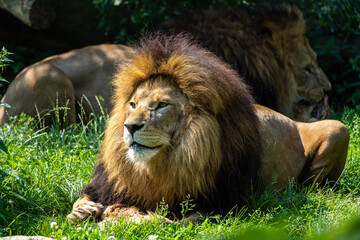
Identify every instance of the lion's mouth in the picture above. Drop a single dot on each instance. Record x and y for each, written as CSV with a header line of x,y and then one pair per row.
x,y
316,112
139,147
320,110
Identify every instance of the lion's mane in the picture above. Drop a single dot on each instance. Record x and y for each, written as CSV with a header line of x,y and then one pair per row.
x,y
215,156
258,42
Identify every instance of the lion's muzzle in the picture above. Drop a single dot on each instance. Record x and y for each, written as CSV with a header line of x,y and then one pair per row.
x,y
133,127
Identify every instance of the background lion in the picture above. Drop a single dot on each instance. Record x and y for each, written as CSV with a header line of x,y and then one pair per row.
x,y
184,123
62,81
267,45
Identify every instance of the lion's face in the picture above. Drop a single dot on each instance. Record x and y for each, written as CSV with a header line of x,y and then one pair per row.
x,y
310,103
153,117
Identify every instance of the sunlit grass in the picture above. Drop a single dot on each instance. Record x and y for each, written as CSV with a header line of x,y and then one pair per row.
x,y
45,169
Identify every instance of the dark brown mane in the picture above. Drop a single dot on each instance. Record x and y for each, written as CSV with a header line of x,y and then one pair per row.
x,y
214,90
253,40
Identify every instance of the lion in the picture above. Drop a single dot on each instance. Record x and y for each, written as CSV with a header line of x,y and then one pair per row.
x,y
185,124
268,47
62,81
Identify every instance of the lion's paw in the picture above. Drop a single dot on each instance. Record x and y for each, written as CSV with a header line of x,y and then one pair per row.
x,y
84,208
131,213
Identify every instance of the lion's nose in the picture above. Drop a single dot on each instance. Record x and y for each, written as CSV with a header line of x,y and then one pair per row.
x,y
133,127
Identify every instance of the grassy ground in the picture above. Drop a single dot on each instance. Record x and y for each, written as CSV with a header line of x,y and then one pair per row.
x,y
44,170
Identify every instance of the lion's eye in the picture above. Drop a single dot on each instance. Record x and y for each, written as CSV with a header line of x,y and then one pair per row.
x,y
133,105
161,105
308,70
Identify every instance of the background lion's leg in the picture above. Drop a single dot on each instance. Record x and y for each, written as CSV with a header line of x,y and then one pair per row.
x,y
326,144
46,87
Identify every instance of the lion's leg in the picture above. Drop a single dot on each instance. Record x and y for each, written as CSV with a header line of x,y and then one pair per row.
x,y
84,208
326,144
38,90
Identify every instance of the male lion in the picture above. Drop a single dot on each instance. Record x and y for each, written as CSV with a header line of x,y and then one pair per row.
x,y
267,45
62,80
184,123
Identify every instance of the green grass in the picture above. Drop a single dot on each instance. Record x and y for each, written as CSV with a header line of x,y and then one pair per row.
x,y
44,170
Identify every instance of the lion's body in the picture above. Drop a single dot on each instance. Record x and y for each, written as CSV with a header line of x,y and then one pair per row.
x,y
268,47
184,123
62,80
302,151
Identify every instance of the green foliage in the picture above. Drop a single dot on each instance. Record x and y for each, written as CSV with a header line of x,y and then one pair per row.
x,y
187,206
350,180
335,26
127,19
4,60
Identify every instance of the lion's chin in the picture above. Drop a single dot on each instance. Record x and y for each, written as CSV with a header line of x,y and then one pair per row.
x,y
141,153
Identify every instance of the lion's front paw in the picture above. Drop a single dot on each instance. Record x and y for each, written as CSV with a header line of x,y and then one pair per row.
x,y
84,208
131,213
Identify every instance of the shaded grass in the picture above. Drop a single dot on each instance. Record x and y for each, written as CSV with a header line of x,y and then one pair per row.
x,y
350,181
45,169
